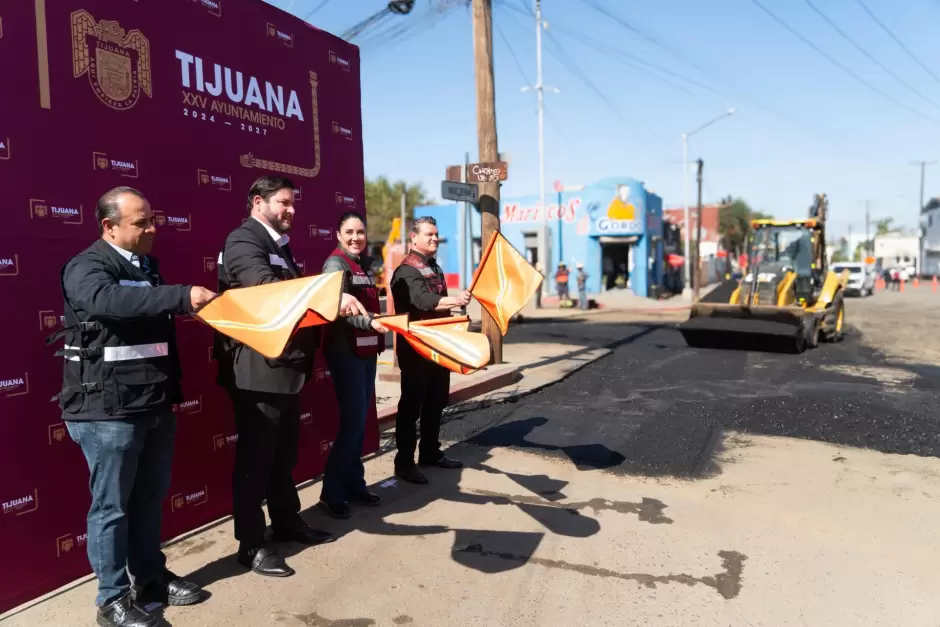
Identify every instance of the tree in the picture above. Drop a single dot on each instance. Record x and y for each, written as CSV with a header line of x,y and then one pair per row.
x,y
383,204
839,257
734,224
883,226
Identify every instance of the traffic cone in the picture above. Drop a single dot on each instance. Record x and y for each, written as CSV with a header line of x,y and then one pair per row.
x,y
916,282
933,284
901,287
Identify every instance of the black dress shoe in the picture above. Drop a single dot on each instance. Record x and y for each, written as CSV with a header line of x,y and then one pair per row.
x,y
336,510
265,562
441,462
411,474
303,534
170,589
364,497
123,612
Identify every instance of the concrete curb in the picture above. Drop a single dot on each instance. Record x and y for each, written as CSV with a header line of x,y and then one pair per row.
x,y
464,390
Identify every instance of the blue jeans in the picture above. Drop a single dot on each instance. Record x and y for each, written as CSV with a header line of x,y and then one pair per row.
x,y
354,382
583,299
130,463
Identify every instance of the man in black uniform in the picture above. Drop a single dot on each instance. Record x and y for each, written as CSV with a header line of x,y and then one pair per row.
x,y
419,289
121,378
265,392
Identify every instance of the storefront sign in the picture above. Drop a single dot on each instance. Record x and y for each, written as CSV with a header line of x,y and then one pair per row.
x,y
514,212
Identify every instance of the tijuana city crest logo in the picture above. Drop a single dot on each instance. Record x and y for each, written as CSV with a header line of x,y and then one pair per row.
x,y
57,433
192,499
65,544
222,441
116,61
342,131
340,61
325,446
323,374
298,194
180,223
124,167
21,505
5,151
210,264
192,406
301,265
67,214
9,264
285,38
222,182
50,320
14,385
214,7
316,232
345,201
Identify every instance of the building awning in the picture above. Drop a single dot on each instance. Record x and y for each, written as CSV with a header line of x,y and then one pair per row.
x,y
618,239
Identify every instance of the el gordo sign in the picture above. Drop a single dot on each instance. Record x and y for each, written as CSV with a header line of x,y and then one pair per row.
x,y
514,212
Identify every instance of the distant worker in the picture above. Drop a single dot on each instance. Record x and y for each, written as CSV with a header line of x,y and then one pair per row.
x,y
121,378
582,286
561,283
419,290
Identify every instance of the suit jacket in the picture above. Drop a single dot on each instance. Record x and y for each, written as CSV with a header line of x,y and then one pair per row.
x,y
251,257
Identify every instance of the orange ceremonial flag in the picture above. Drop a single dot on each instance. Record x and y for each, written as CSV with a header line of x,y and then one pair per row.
x,y
265,316
445,341
504,281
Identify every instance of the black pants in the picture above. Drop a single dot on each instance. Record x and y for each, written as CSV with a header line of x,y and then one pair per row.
x,y
425,388
268,427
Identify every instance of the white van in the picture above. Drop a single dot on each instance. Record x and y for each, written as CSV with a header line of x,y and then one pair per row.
x,y
861,277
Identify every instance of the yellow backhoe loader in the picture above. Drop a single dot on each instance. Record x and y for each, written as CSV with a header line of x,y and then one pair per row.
x,y
787,300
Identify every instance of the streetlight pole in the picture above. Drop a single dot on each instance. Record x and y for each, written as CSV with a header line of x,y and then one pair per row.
x,y
685,194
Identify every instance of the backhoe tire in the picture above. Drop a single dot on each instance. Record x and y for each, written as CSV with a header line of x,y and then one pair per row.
x,y
813,331
834,322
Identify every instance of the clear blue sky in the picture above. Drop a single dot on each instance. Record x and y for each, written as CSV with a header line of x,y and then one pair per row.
x,y
801,126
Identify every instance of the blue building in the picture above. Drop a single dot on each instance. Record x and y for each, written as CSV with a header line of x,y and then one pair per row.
x,y
614,227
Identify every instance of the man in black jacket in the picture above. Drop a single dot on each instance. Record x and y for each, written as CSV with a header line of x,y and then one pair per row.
x,y
265,392
120,380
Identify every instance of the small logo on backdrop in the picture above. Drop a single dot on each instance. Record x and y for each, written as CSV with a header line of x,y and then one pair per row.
x,y
325,446
193,406
180,223
117,61
285,38
214,7
316,232
65,544
322,374
57,433
49,320
193,499
5,151
68,214
340,61
9,264
306,418
221,441
20,505
15,385
124,167
210,264
298,194
342,131
345,201
222,182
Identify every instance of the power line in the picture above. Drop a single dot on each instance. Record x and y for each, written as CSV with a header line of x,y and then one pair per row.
x,y
836,63
322,4
897,41
869,55
512,53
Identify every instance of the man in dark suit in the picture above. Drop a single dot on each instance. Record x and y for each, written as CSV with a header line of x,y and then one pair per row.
x,y
265,392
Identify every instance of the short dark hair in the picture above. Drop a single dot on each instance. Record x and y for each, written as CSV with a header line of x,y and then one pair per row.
x,y
108,205
349,215
267,186
416,227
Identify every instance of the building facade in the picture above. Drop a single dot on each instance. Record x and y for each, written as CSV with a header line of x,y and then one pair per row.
x,y
930,238
614,227
897,250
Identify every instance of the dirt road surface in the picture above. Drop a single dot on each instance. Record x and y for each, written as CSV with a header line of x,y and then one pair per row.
x,y
659,485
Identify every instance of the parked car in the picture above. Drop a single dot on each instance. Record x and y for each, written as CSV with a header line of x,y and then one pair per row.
x,y
861,277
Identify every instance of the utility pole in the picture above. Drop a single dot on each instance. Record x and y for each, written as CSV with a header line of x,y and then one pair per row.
x,y
698,232
869,245
488,146
923,167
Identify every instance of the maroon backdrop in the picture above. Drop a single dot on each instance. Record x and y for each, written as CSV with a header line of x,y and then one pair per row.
x,y
101,93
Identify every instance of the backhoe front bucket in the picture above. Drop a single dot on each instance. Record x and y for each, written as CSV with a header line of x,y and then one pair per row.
x,y
763,328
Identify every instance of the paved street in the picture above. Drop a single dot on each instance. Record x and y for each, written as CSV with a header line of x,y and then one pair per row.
x,y
658,485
